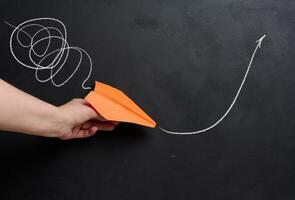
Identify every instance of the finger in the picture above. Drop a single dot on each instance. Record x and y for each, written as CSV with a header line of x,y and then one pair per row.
x,y
84,102
91,113
89,124
89,109
81,101
100,117
105,126
92,123
80,134
93,127
101,126
87,133
91,131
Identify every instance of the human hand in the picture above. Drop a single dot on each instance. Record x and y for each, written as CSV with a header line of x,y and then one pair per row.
x,y
80,120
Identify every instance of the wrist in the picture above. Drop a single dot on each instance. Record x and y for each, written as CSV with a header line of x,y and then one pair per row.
x,y
53,123
59,123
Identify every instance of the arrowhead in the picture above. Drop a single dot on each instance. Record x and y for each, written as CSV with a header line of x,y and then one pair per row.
x,y
260,41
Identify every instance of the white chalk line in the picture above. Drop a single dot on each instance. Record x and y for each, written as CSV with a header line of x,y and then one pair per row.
x,y
60,55
231,105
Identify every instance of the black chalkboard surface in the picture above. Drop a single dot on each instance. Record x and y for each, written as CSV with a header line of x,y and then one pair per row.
x,y
182,61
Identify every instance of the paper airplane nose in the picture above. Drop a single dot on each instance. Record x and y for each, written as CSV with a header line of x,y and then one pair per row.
x,y
114,105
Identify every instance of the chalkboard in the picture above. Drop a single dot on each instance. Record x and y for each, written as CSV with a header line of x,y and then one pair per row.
x,y
182,61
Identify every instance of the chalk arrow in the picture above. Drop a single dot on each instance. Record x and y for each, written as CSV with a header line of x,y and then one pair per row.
x,y
259,41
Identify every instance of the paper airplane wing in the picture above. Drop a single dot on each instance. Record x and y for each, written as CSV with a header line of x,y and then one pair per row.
x,y
114,105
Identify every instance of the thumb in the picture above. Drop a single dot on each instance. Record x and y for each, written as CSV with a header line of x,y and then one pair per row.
x,y
89,110
92,114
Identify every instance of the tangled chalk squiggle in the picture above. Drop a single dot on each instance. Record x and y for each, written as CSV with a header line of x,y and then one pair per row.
x,y
32,35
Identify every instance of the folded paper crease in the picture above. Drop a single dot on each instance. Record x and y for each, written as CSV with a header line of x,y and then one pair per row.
x,y
114,105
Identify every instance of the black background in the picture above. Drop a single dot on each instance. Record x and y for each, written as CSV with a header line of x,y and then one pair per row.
x,y
182,62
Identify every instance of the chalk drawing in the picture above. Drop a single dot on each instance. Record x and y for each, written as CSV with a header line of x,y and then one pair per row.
x,y
231,105
33,31
31,35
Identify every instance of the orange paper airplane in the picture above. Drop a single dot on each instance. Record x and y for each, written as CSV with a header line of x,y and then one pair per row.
x,y
114,105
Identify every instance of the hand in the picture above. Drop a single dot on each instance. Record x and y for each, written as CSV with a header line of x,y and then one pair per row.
x,y
81,121
22,113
